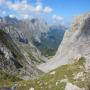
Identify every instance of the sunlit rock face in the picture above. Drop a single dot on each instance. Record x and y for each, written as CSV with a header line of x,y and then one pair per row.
x,y
76,42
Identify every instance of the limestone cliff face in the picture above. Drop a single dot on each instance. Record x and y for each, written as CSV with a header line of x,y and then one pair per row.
x,y
76,41
12,59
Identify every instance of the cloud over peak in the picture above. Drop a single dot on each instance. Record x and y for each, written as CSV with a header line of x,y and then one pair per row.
x,y
48,9
57,17
23,7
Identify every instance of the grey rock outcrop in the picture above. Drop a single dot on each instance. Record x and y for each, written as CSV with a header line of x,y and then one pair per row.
x,y
76,42
12,59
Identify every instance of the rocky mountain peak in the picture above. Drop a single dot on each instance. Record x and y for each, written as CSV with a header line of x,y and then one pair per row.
x,y
78,20
76,41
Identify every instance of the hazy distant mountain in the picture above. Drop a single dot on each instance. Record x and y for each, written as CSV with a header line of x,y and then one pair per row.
x,y
49,41
38,32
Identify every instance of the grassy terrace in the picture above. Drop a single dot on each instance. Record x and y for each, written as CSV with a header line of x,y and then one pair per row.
x,y
6,80
52,81
49,81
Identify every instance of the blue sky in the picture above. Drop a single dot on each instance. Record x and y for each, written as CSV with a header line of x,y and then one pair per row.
x,y
59,10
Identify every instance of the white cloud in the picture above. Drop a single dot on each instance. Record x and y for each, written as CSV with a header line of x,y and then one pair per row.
x,y
11,15
25,16
48,10
18,6
57,17
2,1
38,8
22,7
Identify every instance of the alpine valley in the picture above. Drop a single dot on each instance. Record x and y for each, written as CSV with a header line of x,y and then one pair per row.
x,y
37,55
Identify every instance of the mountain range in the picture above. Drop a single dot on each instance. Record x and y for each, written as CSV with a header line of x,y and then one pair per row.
x,y
37,52
25,44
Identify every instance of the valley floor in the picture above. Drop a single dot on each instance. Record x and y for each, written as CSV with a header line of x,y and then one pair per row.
x,y
52,64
